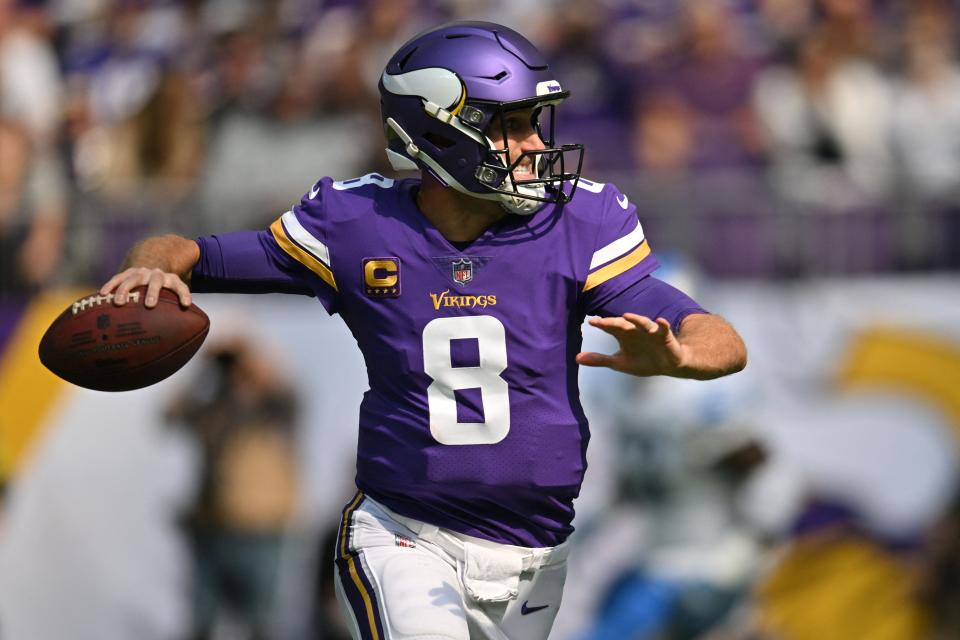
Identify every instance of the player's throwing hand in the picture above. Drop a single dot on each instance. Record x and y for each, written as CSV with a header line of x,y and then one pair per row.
x,y
154,279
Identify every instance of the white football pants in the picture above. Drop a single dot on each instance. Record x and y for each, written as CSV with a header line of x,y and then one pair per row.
x,y
399,578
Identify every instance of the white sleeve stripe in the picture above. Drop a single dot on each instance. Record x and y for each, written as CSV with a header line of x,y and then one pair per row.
x,y
303,237
618,248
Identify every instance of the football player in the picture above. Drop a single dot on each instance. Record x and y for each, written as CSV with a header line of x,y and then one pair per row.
x,y
466,290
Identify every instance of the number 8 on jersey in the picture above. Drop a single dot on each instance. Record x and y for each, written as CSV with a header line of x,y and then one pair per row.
x,y
437,363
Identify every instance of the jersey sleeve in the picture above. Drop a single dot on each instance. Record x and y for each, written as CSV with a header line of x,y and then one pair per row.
x,y
653,298
620,255
292,256
244,262
303,236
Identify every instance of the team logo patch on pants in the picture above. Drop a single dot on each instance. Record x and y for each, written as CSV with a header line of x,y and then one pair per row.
x,y
404,542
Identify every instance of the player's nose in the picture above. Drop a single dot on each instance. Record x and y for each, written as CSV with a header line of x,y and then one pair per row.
x,y
531,141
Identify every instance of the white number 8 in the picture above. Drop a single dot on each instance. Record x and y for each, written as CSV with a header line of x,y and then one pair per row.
x,y
492,344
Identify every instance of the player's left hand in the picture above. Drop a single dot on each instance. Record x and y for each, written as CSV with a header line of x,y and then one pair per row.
x,y
647,347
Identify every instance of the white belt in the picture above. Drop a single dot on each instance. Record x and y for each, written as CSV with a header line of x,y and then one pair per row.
x,y
452,542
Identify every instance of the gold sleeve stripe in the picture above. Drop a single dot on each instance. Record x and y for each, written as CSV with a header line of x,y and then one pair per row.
x,y
306,259
618,247
628,261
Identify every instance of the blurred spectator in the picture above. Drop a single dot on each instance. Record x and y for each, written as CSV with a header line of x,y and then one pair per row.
x,y
695,110
136,125
33,212
854,26
150,147
926,114
784,23
926,136
574,39
243,414
303,106
696,556
827,120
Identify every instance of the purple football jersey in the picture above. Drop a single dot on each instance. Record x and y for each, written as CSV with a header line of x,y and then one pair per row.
x,y
473,419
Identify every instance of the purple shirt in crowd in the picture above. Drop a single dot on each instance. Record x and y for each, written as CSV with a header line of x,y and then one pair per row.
x,y
473,418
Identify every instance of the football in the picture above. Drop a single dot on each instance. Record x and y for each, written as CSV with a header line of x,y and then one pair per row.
x,y
98,345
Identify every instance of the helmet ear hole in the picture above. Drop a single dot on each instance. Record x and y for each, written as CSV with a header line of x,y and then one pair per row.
x,y
439,141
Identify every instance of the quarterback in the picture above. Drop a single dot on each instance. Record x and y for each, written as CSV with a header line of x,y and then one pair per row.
x,y
465,290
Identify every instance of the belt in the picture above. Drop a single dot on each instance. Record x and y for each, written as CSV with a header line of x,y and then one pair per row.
x,y
453,542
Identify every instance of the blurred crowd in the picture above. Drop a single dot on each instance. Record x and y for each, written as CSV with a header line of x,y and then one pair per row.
x,y
820,136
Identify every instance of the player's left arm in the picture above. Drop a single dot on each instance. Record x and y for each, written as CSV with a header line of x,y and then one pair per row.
x,y
661,330
705,347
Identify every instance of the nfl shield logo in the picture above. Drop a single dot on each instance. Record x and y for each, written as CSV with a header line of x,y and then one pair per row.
x,y
462,270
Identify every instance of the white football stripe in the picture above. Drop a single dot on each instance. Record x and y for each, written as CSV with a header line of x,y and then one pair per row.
x,y
304,238
618,247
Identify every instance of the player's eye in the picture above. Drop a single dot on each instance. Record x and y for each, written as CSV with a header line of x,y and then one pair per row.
x,y
521,122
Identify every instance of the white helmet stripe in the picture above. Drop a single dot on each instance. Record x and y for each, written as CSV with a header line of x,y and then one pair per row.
x,y
440,86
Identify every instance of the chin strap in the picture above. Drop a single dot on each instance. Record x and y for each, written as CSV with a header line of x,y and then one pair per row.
x,y
523,206
412,149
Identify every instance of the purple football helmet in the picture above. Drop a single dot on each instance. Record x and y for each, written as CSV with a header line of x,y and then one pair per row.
x,y
440,92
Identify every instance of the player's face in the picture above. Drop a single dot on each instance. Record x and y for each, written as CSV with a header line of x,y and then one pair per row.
x,y
522,137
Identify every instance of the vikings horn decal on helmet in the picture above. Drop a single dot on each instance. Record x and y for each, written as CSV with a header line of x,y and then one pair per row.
x,y
442,89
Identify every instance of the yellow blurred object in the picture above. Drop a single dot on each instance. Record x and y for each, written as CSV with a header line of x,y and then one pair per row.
x,y
924,365
28,391
840,589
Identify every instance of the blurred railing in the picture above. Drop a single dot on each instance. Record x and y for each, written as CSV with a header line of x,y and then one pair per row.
x,y
734,225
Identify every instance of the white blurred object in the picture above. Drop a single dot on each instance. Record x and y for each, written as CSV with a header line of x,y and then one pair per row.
x,y
851,105
889,457
91,548
773,496
30,84
926,127
122,87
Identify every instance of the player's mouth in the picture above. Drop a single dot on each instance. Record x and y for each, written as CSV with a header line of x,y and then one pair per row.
x,y
524,172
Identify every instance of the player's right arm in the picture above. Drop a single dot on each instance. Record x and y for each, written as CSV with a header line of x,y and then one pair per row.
x,y
234,262
161,262
290,257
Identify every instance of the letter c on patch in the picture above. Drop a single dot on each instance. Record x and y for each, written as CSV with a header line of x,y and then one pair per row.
x,y
380,273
